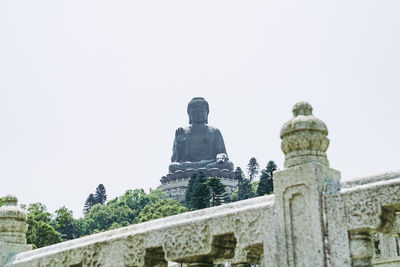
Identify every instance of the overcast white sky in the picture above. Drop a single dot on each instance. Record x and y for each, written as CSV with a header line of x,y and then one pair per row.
x,y
92,91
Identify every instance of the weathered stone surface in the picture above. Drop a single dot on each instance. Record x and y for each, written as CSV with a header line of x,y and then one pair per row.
x,y
298,208
361,249
372,206
388,246
390,262
371,179
304,138
191,237
13,228
337,249
13,224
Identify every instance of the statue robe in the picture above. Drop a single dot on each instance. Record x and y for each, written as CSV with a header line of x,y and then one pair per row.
x,y
206,149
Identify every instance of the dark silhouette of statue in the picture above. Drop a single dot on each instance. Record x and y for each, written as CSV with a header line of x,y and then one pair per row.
x,y
198,147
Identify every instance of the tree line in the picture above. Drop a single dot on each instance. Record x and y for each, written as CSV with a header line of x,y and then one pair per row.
x,y
134,206
203,192
248,187
137,206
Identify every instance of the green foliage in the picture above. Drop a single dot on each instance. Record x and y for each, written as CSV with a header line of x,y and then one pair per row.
x,y
203,192
38,212
132,207
271,167
160,209
42,234
137,199
40,231
189,189
193,198
100,195
201,196
65,224
239,175
81,227
101,217
1,201
234,196
254,186
245,189
264,185
253,168
89,203
119,212
217,191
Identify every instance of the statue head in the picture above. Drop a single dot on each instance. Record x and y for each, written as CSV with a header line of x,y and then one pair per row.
x,y
198,110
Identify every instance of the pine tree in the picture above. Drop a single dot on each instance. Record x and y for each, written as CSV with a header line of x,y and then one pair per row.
x,y
201,196
239,175
263,186
89,203
217,191
100,195
189,189
271,167
227,197
244,189
253,168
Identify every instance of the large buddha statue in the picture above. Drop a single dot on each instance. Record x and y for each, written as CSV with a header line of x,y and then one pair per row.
x,y
199,146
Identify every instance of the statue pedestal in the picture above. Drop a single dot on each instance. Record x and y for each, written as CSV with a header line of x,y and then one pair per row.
x,y
213,172
175,184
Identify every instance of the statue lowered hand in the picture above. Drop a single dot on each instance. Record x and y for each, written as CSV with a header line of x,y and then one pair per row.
x,y
222,157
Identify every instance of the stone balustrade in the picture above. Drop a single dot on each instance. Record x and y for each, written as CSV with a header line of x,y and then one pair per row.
x,y
312,219
195,237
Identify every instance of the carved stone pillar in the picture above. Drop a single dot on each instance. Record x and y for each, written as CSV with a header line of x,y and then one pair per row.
x,y
300,233
361,249
13,228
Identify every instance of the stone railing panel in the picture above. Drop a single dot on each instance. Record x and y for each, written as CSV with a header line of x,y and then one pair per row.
x,y
372,206
199,236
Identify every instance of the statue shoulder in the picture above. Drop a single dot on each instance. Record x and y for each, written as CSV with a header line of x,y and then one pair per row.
x,y
214,130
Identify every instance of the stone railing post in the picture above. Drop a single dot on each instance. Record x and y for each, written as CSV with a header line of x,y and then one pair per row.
x,y
299,190
361,249
13,228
